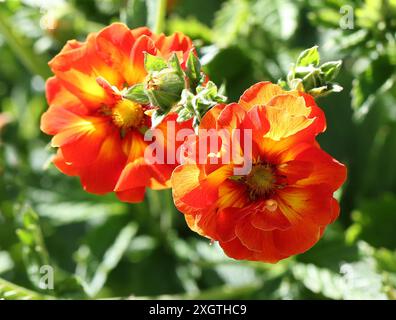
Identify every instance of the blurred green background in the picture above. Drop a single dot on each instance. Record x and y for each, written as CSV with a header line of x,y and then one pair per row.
x,y
102,248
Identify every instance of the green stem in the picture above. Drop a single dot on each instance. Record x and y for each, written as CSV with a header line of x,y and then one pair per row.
x,y
22,51
11,291
124,11
159,25
168,213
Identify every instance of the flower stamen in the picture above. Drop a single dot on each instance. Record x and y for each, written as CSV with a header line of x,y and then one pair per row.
x,y
127,114
261,180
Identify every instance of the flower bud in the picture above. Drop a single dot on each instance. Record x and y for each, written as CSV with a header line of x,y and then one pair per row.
x,y
307,75
164,88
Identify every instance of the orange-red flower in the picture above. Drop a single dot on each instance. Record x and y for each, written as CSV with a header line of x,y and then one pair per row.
x,y
99,134
283,205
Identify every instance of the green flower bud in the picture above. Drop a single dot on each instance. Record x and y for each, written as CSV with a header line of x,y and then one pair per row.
x,y
164,88
307,75
331,69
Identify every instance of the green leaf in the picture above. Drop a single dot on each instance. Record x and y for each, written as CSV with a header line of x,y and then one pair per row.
x,y
370,14
184,115
11,291
331,69
277,17
154,63
319,280
195,106
323,16
358,280
193,70
373,215
306,75
137,94
133,13
363,281
376,78
36,257
217,64
111,258
72,212
230,21
386,259
191,27
309,57
34,252
33,62
6,262
174,64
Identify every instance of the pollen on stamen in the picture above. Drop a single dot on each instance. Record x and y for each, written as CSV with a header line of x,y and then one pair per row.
x,y
261,180
127,114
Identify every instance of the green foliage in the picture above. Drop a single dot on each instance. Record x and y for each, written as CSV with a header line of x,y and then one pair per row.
x,y
359,280
374,215
193,71
195,106
99,247
163,85
10,291
170,88
306,75
34,252
136,93
190,26
376,78
309,57
231,21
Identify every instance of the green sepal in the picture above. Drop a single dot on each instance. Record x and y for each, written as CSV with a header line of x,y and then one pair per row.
x,y
154,63
157,117
164,88
193,70
331,69
309,57
137,94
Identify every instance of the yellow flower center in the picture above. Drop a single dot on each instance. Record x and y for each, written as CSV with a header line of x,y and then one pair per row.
x,y
127,114
261,180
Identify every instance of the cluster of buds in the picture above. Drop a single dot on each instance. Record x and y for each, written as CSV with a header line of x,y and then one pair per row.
x,y
170,87
194,106
188,92
307,75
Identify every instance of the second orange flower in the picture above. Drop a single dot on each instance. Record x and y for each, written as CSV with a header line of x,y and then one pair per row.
x,y
280,207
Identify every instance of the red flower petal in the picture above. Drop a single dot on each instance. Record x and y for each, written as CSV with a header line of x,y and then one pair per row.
x,y
297,239
313,202
325,169
132,195
259,94
101,175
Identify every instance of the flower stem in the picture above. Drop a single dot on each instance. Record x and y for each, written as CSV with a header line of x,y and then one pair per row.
x,y
11,291
157,13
